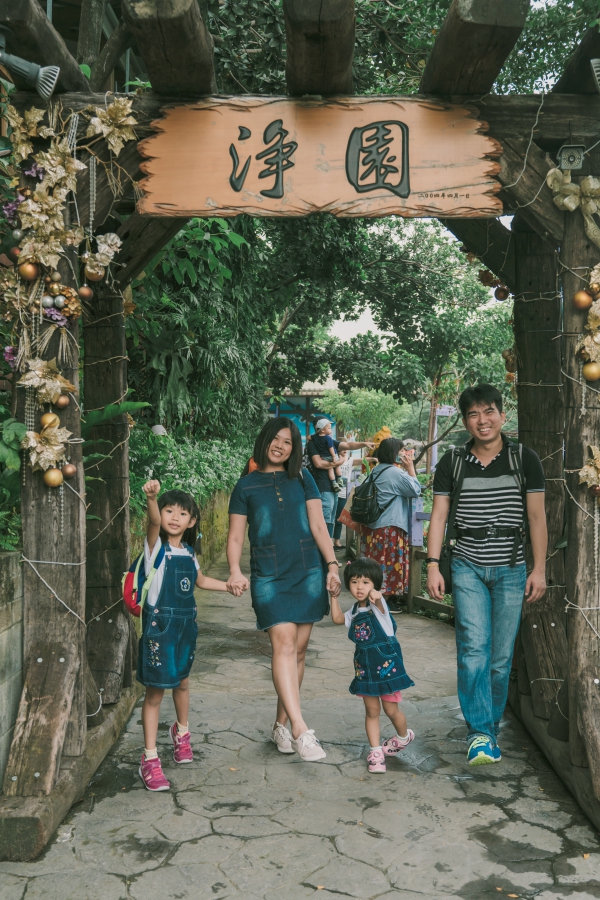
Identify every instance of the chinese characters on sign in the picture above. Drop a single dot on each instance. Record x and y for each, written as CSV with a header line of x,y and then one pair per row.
x,y
277,159
353,156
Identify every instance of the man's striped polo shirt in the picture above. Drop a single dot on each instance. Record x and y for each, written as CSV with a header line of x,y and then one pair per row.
x,y
489,497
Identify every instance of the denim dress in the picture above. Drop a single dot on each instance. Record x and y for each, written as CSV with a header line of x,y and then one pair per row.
x,y
169,629
287,571
378,665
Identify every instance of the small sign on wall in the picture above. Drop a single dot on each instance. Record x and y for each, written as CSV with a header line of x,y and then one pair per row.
x,y
355,156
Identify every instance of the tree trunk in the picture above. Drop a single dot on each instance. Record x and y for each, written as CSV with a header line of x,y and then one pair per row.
x,y
108,546
90,31
432,423
582,427
537,318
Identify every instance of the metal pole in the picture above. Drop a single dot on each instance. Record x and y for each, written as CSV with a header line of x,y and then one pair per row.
x,y
49,9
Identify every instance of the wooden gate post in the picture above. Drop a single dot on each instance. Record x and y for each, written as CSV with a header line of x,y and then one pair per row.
x,y
582,428
110,634
537,321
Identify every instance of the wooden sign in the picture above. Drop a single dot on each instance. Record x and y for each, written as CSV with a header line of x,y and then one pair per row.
x,y
355,156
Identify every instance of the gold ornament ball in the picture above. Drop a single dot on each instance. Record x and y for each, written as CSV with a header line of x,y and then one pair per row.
x,y
506,354
501,293
582,300
595,287
55,276
49,420
69,470
29,271
595,489
591,371
85,292
63,401
92,275
54,289
53,477
14,253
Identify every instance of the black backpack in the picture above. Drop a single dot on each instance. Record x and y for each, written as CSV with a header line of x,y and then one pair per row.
x,y
365,506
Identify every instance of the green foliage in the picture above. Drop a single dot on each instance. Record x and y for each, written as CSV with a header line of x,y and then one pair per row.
x,y
10,464
362,412
198,467
101,416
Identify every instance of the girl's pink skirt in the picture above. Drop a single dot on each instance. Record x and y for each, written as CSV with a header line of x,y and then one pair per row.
x,y
396,697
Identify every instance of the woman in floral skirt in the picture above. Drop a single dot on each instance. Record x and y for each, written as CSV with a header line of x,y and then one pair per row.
x,y
386,540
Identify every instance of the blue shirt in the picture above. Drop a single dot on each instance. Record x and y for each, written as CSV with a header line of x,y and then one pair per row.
x,y
398,486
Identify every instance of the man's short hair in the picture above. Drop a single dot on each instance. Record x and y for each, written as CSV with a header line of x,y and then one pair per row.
x,y
479,395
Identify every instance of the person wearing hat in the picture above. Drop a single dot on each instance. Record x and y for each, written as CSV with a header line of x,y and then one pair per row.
x,y
323,452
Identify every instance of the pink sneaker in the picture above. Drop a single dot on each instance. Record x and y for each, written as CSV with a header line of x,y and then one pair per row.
x,y
395,744
376,761
182,749
151,774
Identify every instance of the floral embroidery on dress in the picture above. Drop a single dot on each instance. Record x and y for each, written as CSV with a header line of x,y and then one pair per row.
x,y
185,584
153,653
386,669
362,631
360,673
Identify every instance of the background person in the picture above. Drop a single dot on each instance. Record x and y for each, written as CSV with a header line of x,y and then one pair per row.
x,y
321,467
386,540
292,565
323,441
342,497
488,577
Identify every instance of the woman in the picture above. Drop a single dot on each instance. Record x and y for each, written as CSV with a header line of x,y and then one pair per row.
x,y
342,499
283,508
386,540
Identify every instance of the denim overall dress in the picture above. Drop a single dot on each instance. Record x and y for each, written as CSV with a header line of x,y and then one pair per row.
x,y
169,629
378,665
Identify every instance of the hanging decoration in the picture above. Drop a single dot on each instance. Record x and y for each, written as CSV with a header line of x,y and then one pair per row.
x,y
33,296
585,196
44,376
590,473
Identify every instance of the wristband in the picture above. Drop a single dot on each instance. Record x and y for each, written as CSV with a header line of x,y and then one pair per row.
x,y
432,559
433,565
333,562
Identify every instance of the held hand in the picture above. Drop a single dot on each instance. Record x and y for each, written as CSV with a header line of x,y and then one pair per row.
x,y
334,585
535,587
237,584
435,584
151,489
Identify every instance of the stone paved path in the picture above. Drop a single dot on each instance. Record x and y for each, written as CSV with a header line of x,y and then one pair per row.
x,y
246,822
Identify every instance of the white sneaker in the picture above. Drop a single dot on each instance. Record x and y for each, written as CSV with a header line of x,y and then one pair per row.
x,y
282,737
308,747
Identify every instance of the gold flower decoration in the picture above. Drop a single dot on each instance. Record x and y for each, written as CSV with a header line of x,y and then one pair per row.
x,y
47,448
60,165
590,474
114,124
44,376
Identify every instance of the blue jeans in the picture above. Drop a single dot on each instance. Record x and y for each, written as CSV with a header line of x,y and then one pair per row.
x,y
487,603
329,501
337,528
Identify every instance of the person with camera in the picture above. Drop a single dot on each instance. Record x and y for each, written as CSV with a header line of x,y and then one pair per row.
x,y
488,495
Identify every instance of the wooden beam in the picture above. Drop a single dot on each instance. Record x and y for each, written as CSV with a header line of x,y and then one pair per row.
x,y
36,749
523,169
143,237
36,40
319,46
577,77
472,46
174,43
28,823
491,241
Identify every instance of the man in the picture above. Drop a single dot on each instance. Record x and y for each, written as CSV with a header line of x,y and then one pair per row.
x,y
321,466
489,576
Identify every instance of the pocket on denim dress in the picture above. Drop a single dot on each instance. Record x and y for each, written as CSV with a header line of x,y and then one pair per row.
x,y
184,586
264,561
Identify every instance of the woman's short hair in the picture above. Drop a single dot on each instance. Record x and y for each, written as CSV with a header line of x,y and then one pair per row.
x,y
270,429
388,450
184,501
365,568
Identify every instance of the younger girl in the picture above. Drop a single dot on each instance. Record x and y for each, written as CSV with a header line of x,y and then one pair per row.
x,y
169,629
378,666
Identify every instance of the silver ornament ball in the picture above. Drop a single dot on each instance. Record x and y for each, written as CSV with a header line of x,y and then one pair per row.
x,y
60,301
17,234
47,301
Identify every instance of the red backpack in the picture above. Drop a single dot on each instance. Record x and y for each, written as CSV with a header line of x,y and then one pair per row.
x,y
136,583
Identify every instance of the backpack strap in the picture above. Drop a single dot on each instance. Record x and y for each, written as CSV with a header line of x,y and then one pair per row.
x,y
150,576
515,461
459,465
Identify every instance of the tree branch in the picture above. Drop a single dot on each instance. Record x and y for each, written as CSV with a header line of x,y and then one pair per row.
x,y
439,438
284,324
90,31
119,41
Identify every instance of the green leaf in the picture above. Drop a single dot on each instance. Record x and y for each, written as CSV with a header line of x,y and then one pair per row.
x,y
101,416
85,69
